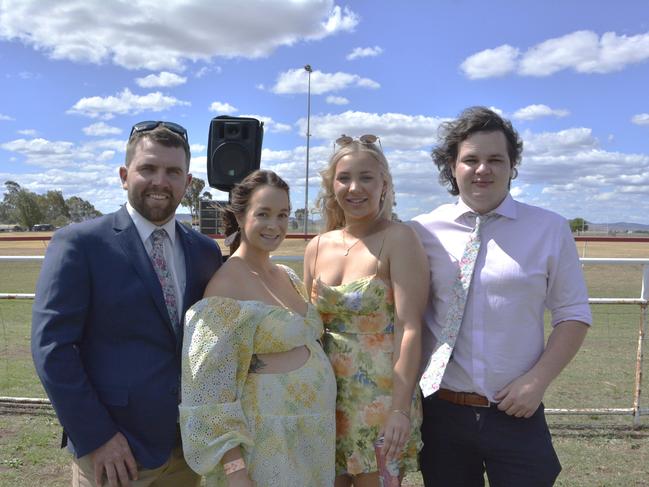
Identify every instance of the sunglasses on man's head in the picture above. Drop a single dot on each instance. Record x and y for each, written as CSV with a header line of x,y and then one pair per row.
x,y
367,139
149,125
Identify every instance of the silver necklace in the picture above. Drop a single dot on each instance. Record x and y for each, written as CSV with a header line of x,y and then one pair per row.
x,y
344,230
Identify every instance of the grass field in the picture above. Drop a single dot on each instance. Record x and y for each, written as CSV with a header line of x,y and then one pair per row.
x,y
594,450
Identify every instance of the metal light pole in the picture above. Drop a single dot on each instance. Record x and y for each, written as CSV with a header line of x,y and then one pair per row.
x,y
308,69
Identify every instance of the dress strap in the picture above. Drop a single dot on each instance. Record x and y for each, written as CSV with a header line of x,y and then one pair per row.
x,y
378,258
317,248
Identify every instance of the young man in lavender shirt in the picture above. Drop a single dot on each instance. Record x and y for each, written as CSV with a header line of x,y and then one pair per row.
x,y
487,414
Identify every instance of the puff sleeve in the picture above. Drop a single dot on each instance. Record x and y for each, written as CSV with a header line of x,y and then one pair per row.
x,y
217,349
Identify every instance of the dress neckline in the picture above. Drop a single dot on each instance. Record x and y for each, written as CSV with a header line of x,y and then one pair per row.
x,y
368,278
309,305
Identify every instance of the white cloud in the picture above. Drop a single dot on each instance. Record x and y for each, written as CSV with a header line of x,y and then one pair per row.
x,y
124,103
337,100
641,119
166,37
571,50
532,112
164,79
295,81
582,51
5,117
518,190
569,140
396,130
360,52
100,129
271,125
197,147
224,108
208,69
27,132
490,62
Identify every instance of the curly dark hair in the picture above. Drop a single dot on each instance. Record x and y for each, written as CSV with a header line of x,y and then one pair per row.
x,y
471,120
240,197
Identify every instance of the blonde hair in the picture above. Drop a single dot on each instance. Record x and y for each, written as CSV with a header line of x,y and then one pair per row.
x,y
326,203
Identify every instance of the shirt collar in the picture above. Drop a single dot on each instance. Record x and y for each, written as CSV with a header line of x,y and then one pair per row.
x,y
507,208
145,228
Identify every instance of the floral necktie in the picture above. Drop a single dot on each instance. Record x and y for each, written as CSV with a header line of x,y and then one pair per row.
x,y
164,274
432,376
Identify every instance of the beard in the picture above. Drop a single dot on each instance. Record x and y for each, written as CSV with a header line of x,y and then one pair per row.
x,y
156,211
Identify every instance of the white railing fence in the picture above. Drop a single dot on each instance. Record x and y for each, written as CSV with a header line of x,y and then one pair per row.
x,y
31,404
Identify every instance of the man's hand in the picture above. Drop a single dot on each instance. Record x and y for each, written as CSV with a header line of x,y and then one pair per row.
x,y
114,458
521,397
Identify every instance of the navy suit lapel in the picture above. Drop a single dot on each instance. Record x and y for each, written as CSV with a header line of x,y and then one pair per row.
x,y
131,243
186,239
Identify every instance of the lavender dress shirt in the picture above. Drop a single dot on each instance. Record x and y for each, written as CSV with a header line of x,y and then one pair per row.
x,y
527,263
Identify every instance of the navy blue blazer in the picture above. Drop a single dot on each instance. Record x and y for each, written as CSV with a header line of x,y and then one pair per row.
x,y
102,341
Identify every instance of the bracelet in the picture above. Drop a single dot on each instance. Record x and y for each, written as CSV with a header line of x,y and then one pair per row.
x,y
405,413
234,466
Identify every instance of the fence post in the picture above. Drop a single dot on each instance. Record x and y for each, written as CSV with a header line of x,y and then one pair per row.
x,y
642,329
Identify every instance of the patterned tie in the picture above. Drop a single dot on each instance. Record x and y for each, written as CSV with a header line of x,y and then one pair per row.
x,y
432,376
164,275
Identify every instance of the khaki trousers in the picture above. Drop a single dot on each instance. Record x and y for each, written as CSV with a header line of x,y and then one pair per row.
x,y
173,473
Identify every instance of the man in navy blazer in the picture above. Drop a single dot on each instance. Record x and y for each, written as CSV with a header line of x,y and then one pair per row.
x,y
105,342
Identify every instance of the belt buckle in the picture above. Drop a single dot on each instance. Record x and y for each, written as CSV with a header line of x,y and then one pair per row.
x,y
488,405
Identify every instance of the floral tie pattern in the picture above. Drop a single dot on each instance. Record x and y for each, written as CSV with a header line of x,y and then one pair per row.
x,y
164,274
432,376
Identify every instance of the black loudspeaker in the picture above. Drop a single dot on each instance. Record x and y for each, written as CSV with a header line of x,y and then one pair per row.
x,y
233,150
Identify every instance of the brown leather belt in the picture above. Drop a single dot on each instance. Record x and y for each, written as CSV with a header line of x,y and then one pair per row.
x,y
464,398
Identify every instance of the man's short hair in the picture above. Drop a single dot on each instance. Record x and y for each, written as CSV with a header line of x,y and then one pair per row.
x,y
471,120
160,135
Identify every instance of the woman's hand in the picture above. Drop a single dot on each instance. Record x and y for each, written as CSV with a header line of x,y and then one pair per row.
x,y
396,432
240,478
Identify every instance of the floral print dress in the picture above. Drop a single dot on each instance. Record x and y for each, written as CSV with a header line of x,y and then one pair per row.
x,y
359,340
283,422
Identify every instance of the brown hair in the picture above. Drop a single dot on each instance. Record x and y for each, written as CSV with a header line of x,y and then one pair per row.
x,y
472,120
240,198
160,135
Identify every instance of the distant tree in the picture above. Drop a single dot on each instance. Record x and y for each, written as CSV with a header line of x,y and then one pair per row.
x,y
26,208
299,215
578,225
80,209
54,208
192,196
22,204
207,195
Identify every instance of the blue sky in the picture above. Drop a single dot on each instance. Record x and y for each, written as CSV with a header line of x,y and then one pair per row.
x,y
571,75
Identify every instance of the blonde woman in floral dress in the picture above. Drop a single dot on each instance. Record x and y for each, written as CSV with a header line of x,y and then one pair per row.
x,y
258,392
368,277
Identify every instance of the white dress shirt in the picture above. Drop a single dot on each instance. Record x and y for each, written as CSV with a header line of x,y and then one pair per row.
x,y
172,248
527,262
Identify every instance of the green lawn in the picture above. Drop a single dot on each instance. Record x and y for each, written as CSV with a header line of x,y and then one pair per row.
x,y
594,450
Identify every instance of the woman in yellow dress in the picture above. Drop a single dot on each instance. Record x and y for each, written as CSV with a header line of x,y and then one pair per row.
x,y
368,277
258,392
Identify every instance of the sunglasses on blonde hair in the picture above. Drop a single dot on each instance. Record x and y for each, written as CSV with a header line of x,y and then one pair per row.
x,y
367,139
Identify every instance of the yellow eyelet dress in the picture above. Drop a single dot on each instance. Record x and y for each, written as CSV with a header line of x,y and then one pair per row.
x,y
285,422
